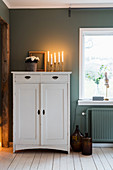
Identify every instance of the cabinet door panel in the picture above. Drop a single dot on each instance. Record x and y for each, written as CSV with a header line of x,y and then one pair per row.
x,y
27,120
54,121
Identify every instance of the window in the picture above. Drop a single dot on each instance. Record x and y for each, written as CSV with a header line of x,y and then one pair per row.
x,y
95,60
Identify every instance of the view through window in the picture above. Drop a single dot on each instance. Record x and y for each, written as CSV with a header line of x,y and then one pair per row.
x,y
96,57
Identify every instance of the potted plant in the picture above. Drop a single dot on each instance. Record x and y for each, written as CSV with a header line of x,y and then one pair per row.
x,y
31,63
97,76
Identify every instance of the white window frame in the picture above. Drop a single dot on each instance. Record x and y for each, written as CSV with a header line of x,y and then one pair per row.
x,y
82,32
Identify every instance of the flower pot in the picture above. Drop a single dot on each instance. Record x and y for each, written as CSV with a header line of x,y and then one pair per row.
x,y
31,66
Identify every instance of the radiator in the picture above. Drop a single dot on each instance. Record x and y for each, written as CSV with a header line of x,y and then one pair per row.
x,y
99,124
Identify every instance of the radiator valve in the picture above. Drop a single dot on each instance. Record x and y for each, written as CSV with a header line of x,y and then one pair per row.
x,y
83,113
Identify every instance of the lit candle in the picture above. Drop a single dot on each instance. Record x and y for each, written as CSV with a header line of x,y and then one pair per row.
x,y
48,56
51,59
59,57
62,56
54,57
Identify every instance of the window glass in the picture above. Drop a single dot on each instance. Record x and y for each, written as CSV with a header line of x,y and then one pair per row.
x,y
96,61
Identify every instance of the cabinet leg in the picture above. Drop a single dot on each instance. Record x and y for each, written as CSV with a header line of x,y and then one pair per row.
x,y
68,151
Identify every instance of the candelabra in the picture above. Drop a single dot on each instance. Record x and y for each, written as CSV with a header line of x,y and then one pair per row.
x,y
55,62
62,66
51,67
59,66
55,67
48,66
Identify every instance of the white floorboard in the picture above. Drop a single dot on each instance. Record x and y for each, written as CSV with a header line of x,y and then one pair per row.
x,y
97,160
49,161
15,161
87,162
56,161
43,160
36,160
101,159
29,160
6,158
70,162
63,161
107,153
77,161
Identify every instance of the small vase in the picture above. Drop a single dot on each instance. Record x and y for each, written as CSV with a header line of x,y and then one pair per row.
x,y
31,66
76,140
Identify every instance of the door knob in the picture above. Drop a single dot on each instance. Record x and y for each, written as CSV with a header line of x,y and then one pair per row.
x,y
38,112
43,112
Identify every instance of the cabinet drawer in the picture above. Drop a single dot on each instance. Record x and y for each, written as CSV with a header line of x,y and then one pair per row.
x,y
27,78
54,78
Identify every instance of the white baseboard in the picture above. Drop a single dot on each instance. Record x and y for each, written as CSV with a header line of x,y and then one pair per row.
x,y
102,145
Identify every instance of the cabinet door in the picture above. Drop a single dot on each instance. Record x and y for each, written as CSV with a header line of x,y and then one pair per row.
x,y
26,115
54,114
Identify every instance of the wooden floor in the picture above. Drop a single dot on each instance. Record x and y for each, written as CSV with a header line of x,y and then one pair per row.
x,y
101,159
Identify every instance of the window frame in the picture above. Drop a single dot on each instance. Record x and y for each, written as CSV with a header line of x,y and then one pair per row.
x,y
82,32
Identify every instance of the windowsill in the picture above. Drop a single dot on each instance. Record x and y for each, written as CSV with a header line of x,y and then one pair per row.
x,y
95,103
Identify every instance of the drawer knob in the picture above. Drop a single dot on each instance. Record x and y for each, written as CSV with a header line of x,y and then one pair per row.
x,y
55,77
27,77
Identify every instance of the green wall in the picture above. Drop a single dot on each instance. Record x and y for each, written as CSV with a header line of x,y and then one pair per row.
x,y
52,29
4,11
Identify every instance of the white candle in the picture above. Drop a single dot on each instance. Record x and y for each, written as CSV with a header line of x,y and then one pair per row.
x,y
51,59
59,57
62,56
48,56
54,57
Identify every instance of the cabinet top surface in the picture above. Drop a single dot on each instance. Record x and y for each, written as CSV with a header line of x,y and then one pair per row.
x,y
30,72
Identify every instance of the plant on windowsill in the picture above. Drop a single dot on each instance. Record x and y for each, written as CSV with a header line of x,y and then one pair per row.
x,y
96,77
31,63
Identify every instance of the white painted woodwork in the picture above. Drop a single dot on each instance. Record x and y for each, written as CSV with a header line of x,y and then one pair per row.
x,y
32,79
58,3
40,91
27,119
95,103
83,98
49,79
54,122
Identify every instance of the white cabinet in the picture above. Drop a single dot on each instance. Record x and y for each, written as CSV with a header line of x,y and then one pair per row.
x,y
41,110
54,119
26,118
